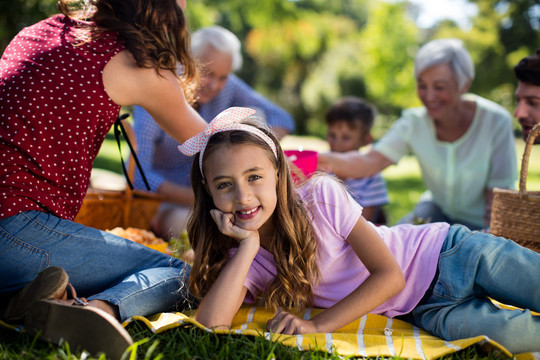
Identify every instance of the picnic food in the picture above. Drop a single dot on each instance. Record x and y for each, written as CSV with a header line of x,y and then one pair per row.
x,y
143,237
180,248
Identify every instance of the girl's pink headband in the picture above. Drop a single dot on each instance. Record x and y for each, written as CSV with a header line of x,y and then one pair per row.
x,y
225,121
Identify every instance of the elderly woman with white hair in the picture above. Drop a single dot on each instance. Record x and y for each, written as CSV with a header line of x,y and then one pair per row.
x,y
463,142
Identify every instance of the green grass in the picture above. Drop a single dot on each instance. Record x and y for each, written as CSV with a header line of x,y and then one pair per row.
x,y
188,342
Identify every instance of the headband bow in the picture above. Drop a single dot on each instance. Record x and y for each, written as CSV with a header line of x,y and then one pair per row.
x,y
225,121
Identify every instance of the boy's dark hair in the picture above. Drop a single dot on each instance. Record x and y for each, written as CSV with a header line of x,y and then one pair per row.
x,y
353,110
528,69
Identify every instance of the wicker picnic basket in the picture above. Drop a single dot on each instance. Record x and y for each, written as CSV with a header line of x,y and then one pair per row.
x,y
515,215
107,209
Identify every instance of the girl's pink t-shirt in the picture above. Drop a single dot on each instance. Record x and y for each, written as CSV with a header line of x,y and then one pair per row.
x,y
334,214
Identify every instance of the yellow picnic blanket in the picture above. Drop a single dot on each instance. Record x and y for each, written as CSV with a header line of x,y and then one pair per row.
x,y
369,336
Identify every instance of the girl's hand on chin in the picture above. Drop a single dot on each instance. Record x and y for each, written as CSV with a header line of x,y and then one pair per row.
x,y
225,224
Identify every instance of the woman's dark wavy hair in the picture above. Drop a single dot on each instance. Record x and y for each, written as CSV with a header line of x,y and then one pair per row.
x,y
293,244
154,31
528,69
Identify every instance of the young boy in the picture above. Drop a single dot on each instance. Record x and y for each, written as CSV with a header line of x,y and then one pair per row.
x,y
349,122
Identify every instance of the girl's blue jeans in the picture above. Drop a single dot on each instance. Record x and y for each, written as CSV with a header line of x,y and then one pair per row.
x,y
137,279
472,267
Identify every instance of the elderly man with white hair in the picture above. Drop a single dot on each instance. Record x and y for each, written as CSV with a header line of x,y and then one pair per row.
x,y
463,142
218,51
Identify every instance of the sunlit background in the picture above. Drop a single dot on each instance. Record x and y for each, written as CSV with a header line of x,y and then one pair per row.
x,y
304,54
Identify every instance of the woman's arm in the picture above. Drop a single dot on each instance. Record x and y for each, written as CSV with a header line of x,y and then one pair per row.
x,y
385,280
160,94
353,164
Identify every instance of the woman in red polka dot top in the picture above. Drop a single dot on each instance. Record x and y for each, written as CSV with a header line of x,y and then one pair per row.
x,y
62,83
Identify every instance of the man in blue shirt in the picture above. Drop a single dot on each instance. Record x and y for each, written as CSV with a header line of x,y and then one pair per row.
x,y
167,170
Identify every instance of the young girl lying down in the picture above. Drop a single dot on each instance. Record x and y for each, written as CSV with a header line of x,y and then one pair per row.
x,y
255,234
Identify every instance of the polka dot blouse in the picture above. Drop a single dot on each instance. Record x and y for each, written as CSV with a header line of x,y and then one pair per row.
x,y
54,115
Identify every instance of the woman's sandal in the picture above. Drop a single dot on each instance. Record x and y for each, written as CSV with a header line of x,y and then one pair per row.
x,y
82,327
49,284
44,307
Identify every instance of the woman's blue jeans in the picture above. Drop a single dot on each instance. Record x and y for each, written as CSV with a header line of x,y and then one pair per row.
x,y
472,267
139,280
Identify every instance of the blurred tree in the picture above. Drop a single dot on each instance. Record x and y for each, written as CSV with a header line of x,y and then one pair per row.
x,y
240,17
303,54
519,24
389,43
17,14
284,41
299,55
373,62
502,33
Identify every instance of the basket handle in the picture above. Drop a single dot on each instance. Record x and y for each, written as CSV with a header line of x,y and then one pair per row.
x,y
127,132
525,161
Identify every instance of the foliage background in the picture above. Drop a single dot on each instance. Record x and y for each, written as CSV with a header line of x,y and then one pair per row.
x,y
304,54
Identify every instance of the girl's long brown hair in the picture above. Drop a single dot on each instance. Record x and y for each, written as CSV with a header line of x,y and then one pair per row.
x,y
293,245
154,31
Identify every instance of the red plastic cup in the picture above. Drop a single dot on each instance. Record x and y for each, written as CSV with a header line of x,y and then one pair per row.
x,y
304,160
